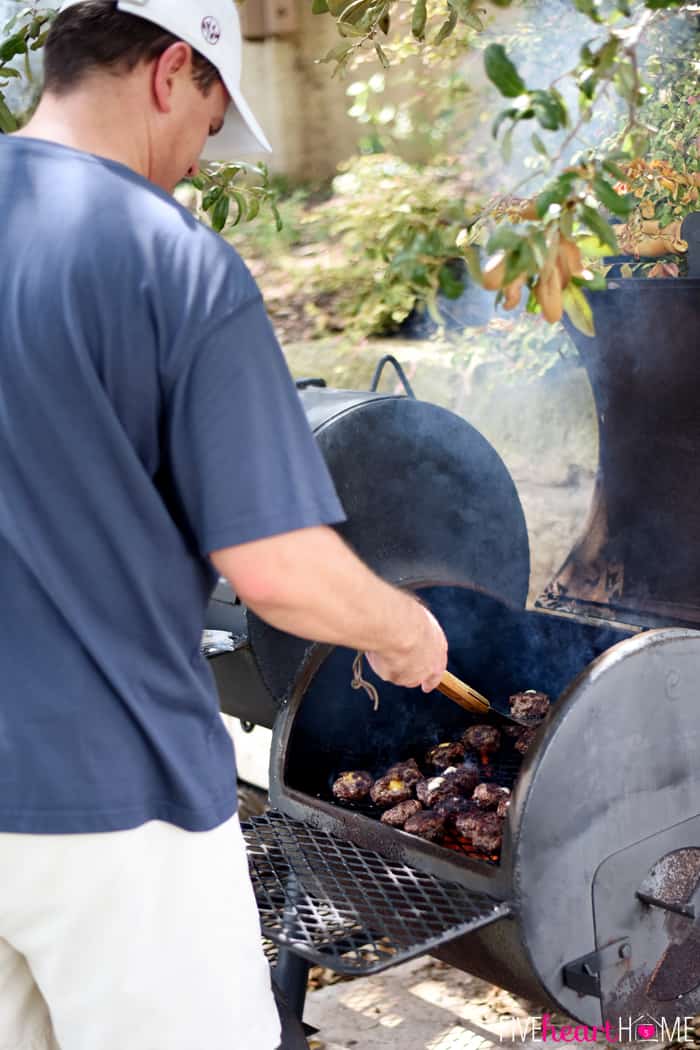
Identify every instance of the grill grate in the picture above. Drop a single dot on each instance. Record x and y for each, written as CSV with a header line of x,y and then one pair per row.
x,y
503,770
348,908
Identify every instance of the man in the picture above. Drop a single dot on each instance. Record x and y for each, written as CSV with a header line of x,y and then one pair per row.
x,y
150,439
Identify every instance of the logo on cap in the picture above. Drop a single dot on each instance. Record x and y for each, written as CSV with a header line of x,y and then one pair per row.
x,y
211,30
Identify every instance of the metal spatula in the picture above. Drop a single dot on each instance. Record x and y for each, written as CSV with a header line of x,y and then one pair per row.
x,y
461,693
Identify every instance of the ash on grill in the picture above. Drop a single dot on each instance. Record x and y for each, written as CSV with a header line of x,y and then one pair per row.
x,y
463,806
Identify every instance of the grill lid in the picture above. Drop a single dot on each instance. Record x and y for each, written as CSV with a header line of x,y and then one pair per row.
x,y
348,908
428,501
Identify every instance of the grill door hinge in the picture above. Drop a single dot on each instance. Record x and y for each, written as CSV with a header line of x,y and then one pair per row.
x,y
583,974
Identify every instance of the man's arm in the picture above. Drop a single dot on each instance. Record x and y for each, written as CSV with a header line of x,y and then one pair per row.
x,y
310,583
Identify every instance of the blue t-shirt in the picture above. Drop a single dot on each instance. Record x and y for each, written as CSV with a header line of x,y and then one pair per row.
x,y
147,418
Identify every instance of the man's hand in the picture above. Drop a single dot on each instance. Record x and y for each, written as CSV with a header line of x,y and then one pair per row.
x,y
423,666
311,584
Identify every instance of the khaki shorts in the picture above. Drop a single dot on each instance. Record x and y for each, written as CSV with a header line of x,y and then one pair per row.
x,y
147,939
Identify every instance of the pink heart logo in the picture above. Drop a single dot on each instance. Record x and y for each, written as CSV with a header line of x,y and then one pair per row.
x,y
646,1031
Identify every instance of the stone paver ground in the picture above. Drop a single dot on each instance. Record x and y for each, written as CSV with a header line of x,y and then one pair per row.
x,y
424,1005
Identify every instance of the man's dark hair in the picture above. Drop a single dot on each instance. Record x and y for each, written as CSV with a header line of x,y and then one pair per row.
x,y
94,35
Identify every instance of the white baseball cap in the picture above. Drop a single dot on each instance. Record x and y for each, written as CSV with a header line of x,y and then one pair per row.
x,y
212,28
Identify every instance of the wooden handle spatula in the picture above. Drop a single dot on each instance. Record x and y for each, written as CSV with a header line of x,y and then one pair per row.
x,y
463,694
470,700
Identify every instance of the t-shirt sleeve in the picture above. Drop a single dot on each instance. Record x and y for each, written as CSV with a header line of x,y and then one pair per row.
x,y
243,460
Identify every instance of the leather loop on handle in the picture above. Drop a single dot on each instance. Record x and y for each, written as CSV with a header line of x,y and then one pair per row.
x,y
463,694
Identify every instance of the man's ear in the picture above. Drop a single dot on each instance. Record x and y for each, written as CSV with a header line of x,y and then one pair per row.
x,y
171,64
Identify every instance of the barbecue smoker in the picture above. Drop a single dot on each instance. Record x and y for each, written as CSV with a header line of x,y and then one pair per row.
x,y
593,905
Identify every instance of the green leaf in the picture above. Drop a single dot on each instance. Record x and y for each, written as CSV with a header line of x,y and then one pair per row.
x,y
597,225
39,42
548,109
556,193
212,197
505,239
433,308
14,45
337,53
420,17
279,225
220,213
467,14
538,245
623,7
7,72
318,7
588,7
539,145
501,71
505,114
563,111
566,223
578,309
626,81
450,285
507,144
8,124
637,142
605,57
587,83
349,29
592,248
471,19
446,29
253,208
381,55
239,201
595,283
615,170
587,56
472,258
612,200
518,261
198,182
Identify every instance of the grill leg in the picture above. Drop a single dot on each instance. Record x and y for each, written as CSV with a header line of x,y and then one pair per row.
x,y
290,975
289,984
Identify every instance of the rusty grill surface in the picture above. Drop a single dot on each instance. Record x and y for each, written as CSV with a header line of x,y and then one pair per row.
x,y
348,908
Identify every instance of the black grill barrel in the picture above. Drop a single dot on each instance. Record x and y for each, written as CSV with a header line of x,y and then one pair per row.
x,y
599,873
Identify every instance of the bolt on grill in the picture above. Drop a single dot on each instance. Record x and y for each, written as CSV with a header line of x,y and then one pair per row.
x,y
306,885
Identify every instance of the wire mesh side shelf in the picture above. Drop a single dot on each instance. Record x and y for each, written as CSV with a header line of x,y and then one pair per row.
x,y
348,908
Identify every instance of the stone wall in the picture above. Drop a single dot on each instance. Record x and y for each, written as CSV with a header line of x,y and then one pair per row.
x,y
301,106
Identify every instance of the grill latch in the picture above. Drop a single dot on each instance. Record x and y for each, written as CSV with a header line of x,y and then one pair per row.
x,y
583,974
